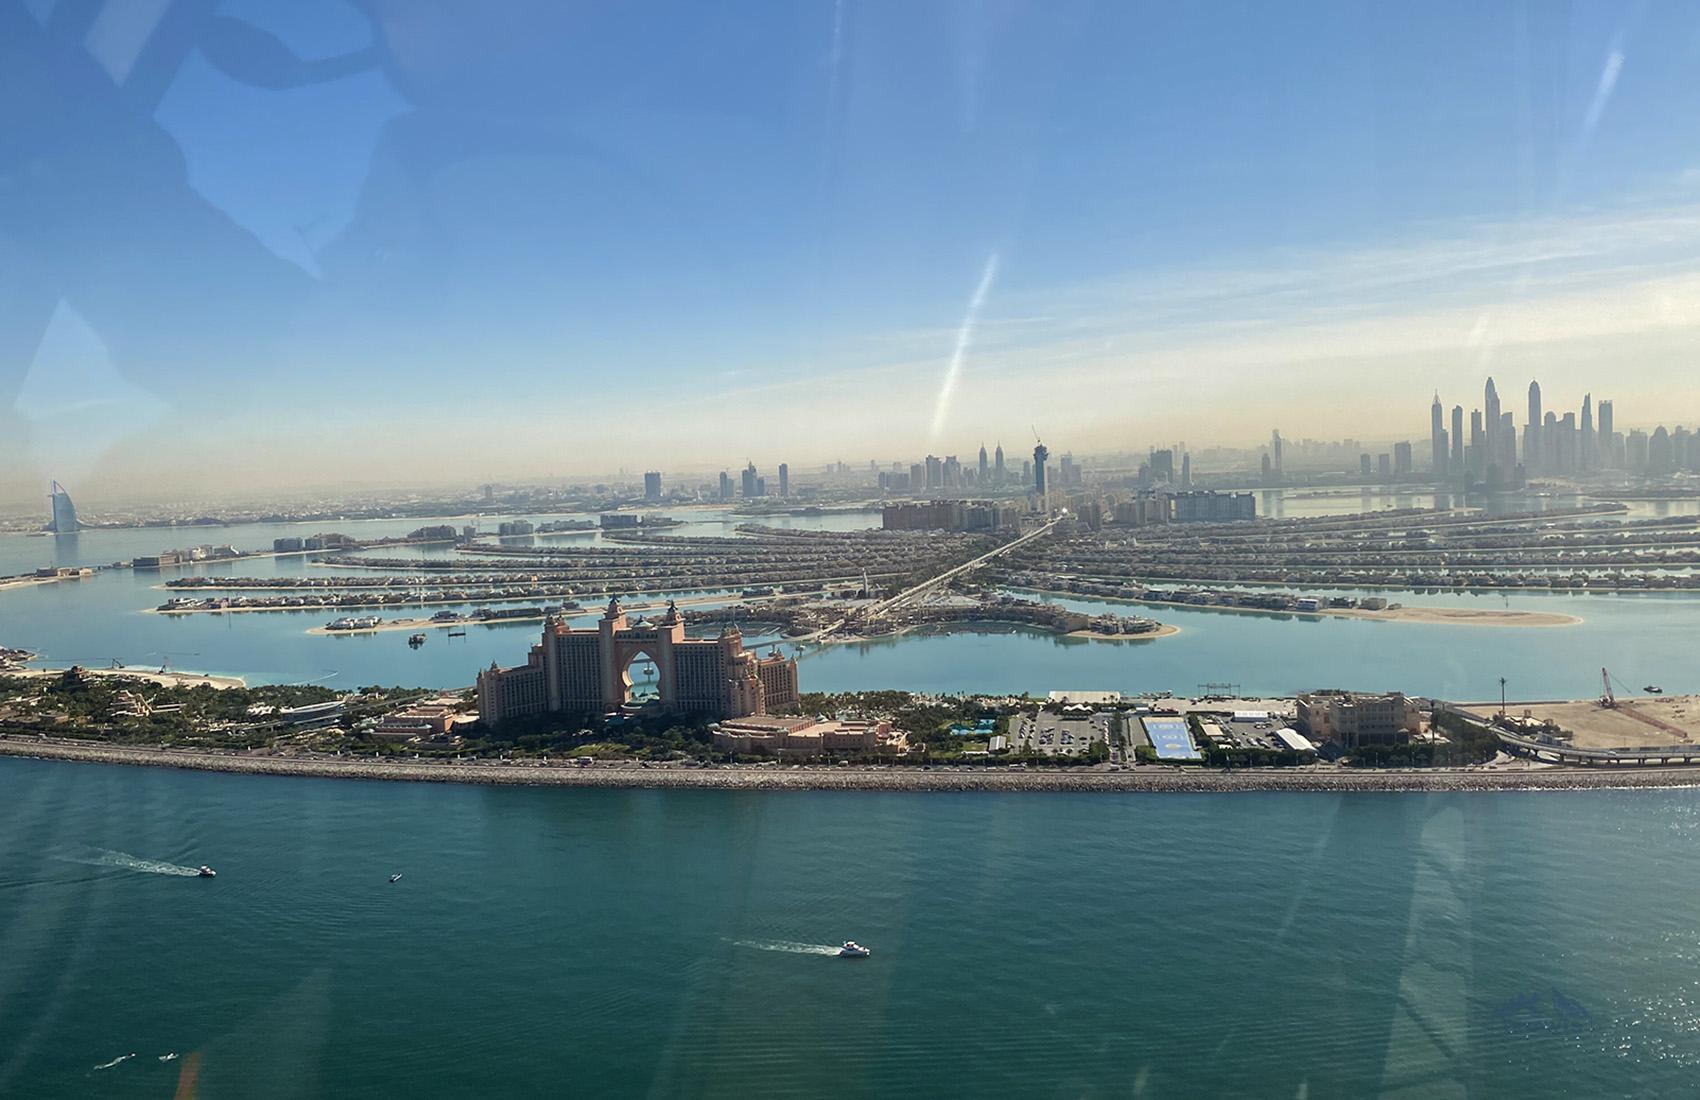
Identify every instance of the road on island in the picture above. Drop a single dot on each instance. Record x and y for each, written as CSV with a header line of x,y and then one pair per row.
x,y
880,608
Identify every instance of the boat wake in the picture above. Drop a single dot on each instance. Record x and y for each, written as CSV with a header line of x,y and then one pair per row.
x,y
115,1061
789,947
105,857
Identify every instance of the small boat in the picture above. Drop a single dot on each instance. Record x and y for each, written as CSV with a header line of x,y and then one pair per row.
x,y
206,872
416,640
395,876
1653,689
853,950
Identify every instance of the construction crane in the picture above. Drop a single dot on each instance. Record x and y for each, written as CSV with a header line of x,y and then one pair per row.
x,y
165,664
1609,701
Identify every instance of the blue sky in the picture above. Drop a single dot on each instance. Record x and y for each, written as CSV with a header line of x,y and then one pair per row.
x,y
758,229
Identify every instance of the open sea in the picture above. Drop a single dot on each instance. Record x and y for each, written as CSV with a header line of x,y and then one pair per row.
x,y
646,943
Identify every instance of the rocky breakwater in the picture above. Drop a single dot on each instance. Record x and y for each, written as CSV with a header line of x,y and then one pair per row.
x,y
1148,779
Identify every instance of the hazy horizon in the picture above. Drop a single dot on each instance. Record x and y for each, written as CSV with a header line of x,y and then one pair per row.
x,y
524,246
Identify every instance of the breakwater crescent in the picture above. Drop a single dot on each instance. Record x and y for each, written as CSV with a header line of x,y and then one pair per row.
x,y
1153,779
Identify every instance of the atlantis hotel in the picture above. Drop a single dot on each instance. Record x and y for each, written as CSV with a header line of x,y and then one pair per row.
x,y
585,671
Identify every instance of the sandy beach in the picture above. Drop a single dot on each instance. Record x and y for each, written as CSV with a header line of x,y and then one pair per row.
x,y
31,582
1164,630
426,624
163,679
1461,616
1146,779
1456,616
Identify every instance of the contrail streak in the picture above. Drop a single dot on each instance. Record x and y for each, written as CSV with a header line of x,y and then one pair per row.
x,y
964,339
1602,93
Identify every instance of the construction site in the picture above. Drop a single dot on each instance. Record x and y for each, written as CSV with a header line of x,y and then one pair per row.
x,y
1637,719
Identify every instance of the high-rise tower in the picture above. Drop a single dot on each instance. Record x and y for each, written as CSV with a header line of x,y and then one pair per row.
x,y
64,512
1532,458
983,466
1039,456
1608,442
997,464
1456,466
1490,424
1588,460
1437,438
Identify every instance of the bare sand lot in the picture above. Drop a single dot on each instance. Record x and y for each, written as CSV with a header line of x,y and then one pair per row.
x,y
1636,723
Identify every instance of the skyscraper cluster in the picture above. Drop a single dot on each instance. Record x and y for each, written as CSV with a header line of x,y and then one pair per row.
x,y
987,472
1572,444
750,483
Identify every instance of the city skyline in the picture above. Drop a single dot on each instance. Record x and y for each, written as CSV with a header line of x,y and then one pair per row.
x,y
516,456
864,271
1170,462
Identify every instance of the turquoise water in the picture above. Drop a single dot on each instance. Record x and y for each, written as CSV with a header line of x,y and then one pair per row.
x,y
1642,637
630,943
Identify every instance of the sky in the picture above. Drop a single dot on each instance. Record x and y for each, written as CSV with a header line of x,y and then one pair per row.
x,y
280,244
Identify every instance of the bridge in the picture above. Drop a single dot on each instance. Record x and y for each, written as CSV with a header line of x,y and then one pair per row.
x,y
1557,752
875,610
893,602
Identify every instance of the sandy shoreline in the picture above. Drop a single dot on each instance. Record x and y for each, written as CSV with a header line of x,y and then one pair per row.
x,y
1148,779
1455,616
31,582
163,679
1462,616
1164,630
423,624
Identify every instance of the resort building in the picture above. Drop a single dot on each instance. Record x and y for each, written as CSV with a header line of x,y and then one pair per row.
x,y
1354,718
951,515
806,737
64,512
427,721
586,671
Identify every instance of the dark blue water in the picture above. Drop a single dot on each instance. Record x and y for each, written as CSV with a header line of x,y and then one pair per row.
x,y
614,943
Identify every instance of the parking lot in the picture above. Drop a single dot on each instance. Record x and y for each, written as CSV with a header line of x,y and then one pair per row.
x,y
1057,735
1243,735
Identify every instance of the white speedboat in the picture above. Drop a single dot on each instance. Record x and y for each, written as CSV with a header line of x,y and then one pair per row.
x,y
395,876
206,872
853,950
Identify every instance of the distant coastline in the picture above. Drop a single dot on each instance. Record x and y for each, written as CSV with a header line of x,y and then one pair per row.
x,y
1152,779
